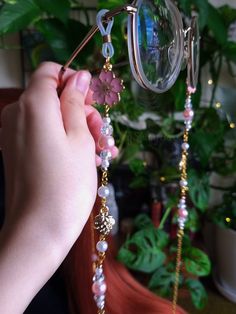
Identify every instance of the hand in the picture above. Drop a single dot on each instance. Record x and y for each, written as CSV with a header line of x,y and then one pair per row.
x,y
49,152
49,155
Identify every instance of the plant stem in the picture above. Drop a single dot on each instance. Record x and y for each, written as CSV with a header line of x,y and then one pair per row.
x,y
164,218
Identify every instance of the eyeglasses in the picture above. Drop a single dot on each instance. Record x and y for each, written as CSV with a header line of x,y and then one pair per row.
x,y
157,44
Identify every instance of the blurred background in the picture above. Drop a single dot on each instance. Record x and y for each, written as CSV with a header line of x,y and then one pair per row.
x,y
148,130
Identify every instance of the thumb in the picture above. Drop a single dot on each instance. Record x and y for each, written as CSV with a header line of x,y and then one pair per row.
x,y
73,100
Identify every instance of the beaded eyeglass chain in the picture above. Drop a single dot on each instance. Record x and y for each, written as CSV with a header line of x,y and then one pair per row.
x,y
188,115
106,91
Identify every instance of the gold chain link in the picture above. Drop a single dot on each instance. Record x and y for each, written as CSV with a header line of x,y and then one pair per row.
x,y
180,234
177,270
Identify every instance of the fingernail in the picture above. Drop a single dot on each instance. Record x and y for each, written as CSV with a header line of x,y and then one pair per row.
x,y
82,81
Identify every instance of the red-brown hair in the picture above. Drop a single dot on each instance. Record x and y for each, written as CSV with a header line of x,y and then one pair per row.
x,y
124,294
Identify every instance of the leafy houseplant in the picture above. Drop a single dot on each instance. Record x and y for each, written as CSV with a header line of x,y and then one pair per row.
x,y
151,250
224,214
211,145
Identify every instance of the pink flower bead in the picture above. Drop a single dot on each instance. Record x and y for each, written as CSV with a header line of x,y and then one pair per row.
x,y
188,114
99,288
106,142
191,90
183,213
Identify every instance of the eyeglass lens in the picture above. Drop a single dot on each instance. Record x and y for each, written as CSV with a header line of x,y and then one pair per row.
x,y
158,47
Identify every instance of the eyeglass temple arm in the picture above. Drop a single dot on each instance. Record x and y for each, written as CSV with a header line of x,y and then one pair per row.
x,y
129,8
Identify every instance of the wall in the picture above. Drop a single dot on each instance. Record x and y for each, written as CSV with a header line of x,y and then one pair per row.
x,y
10,60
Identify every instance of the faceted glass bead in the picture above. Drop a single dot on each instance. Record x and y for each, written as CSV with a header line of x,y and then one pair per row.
x,y
106,130
105,154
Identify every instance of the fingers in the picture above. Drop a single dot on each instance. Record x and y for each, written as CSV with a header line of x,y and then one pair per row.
x,y
73,101
89,98
47,75
94,121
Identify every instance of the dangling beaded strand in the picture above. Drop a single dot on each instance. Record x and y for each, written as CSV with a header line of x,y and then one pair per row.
x,y
188,115
106,91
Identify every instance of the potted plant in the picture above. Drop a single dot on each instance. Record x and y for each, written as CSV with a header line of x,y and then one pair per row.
x,y
223,218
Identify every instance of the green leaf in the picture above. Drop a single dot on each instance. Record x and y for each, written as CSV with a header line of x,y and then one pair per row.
x,y
217,26
111,4
162,281
228,13
202,7
205,141
62,45
139,182
142,221
196,262
131,151
143,251
230,51
179,92
59,9
199,189
185,6
15,17
198,293
198,5
137,166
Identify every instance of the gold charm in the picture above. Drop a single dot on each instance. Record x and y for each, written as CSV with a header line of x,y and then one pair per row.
x,y
104,223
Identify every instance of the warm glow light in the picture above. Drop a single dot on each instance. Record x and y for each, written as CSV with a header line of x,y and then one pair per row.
x,y
218,105
232,125
227,219
210,82
162,179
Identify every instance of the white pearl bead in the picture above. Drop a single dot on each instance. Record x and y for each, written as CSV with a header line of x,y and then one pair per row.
x,y
185,146
183,183
106,120
182,201
181,206
103,191
102,246
99,271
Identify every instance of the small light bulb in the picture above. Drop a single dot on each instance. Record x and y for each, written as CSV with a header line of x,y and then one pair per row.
x,y
218,105
162,179
210,82
227,219
232,125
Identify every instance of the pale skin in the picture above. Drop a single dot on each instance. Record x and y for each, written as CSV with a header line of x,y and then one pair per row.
x,y
49,152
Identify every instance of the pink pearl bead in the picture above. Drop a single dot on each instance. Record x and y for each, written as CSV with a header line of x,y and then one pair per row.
x,y
191,90
188,114
105,142
99,288
183,213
